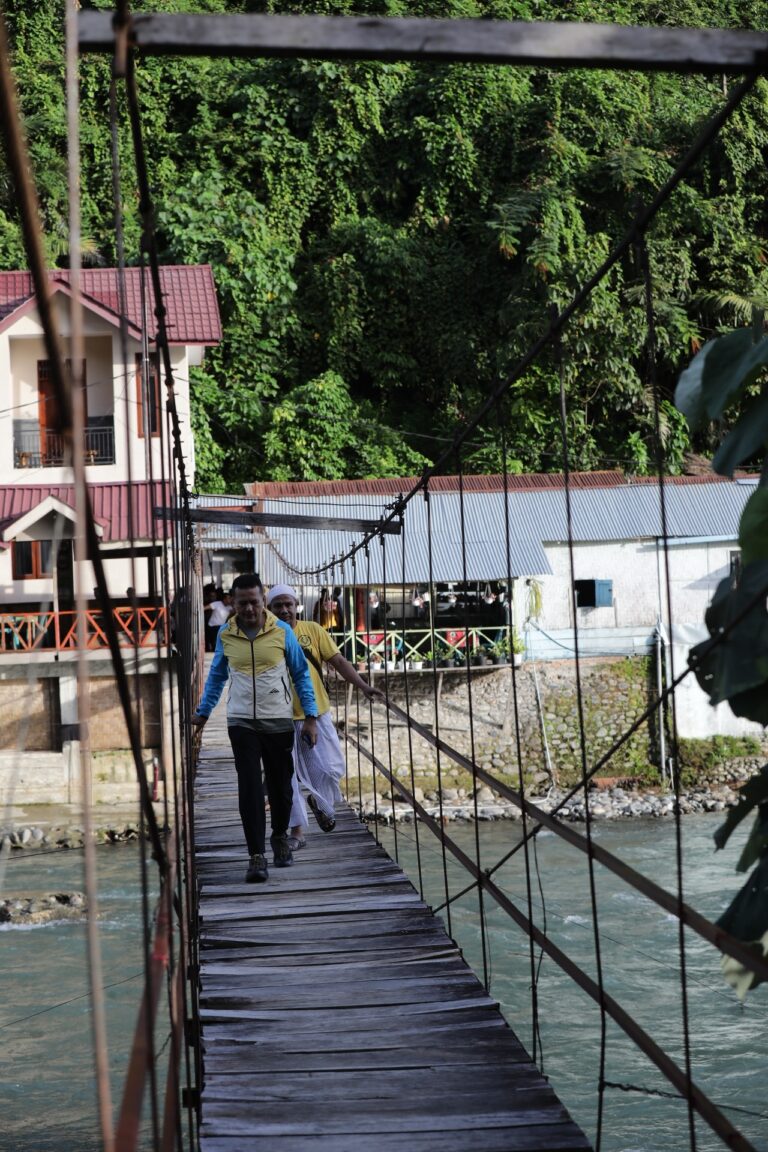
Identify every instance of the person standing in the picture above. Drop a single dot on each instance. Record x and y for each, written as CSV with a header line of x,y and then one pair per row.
x,y
260,657
317,768
219,611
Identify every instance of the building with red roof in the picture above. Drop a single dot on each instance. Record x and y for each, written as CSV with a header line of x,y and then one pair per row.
x,y
126,451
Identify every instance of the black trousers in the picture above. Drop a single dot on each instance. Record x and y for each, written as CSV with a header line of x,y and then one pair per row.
x,y
275,751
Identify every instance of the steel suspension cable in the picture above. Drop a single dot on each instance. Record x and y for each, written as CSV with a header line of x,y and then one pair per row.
x,y
564,445
660,461
384,610
406,692
470,711
436,699
510,631
640,222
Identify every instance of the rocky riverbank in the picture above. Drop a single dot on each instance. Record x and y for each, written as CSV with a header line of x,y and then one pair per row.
x,y
610,800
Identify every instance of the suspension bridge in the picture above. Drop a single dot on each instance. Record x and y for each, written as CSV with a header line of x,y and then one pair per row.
x,y
335,1011
331,1008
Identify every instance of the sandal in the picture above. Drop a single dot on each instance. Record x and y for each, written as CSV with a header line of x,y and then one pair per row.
x,y
296,842
326,822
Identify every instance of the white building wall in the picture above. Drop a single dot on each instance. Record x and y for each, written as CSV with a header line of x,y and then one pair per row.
x,y
638,572
112,390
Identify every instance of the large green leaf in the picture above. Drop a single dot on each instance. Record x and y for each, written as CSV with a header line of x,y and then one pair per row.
x,y
748,435
757,843
753,527
689,393
754,792
734,362
718,374
733,664
746,917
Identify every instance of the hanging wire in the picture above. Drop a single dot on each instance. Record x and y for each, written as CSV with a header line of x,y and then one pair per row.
x,y
645,268
384,615
370,677
407,695
537,1053
563,414
470,710
436,686
136,684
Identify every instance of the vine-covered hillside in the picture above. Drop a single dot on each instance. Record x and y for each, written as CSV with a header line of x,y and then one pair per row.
x,y
388,238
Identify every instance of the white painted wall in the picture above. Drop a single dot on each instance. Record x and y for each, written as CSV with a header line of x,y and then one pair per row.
x,y
112,389
638,571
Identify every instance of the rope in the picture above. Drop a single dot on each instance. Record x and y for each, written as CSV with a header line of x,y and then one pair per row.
x,y
475,789
659,457
536,1046
563,412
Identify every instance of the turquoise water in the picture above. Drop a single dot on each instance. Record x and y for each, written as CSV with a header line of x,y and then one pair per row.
x,y
640,961
47,1093
47,1098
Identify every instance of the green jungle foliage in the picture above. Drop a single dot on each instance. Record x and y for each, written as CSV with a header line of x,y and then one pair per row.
x,y
387,239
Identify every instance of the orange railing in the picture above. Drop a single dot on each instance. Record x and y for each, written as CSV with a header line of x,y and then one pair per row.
x,y
31,631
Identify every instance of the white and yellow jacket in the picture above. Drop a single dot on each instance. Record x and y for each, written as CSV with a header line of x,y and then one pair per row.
x,y
260,671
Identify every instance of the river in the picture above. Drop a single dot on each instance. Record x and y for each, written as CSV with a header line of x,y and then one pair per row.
x,y
47,1095
639,952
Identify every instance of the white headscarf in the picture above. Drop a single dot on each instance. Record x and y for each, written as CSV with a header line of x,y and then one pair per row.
x,y
281,590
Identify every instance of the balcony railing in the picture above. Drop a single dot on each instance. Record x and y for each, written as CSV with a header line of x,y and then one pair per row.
x,y
36,448
33,631
446,647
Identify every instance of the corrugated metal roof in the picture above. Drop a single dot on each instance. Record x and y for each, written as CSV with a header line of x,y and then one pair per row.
x,y
189,294
111,504
536,517
529,481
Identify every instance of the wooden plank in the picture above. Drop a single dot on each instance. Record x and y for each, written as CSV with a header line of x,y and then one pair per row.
x,y
555,44
314,1018
237,1117
405,1034
543,1138
227,1060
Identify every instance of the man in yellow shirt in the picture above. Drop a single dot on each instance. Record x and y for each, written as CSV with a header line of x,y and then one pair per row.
x,y
318,769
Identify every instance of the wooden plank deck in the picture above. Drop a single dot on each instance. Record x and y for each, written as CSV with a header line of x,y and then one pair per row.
x,y
337,1015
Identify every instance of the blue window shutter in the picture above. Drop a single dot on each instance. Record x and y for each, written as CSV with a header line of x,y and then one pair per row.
x,y
603,593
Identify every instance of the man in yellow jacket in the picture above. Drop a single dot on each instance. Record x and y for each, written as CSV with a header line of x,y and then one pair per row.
x,y
261,659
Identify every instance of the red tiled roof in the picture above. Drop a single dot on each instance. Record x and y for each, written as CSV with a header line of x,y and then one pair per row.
x,y
532,481
192,311
111,503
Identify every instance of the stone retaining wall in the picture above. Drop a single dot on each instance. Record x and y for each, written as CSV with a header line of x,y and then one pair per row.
x,y
614,692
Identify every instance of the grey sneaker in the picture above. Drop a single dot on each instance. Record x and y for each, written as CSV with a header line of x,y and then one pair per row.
x,y
283,856
257,869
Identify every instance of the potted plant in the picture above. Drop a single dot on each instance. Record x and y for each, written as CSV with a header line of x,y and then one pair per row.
x,y
518,649
443,657
415,665
500,652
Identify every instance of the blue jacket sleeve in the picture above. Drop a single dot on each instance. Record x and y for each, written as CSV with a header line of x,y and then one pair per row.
x,y
299,670
218,674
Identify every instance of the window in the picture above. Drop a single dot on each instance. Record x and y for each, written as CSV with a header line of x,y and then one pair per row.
x,y
32,559
593,593
148,399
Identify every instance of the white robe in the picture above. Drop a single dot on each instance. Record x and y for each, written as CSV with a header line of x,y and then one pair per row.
x,y
317,769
